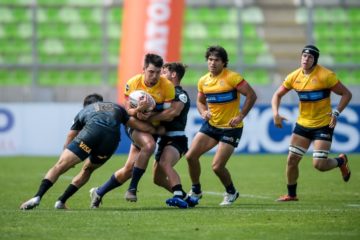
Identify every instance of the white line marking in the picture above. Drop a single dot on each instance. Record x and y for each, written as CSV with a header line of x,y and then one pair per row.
x,y
241,195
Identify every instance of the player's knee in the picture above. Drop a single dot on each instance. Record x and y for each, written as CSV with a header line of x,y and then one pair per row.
x,y
148,148
319,159
217,168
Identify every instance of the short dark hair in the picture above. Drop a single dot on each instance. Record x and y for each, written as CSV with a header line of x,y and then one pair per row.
x,y
154,59
92,98
217,51
177,67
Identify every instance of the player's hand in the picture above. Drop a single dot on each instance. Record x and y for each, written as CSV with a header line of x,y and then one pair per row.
x,y
142,105
236,120
278,120
206,115
143,115
333,121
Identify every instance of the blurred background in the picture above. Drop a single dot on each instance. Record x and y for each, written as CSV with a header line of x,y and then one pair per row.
x,y
54,52
61,50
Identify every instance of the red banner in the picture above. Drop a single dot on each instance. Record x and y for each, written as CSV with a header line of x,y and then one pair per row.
x,y
149,26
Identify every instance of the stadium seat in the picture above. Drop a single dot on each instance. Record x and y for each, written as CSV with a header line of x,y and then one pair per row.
x,y
257,77
15,78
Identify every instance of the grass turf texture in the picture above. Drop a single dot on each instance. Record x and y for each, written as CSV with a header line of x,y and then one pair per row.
x,y
328,207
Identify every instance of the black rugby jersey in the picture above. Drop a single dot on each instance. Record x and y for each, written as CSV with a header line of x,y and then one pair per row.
x,y
179,122
105,114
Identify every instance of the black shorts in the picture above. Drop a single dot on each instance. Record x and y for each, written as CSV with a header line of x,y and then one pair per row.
x,y
96,142
227,135
178,142
322,133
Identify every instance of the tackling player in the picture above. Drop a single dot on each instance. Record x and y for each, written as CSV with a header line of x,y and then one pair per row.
x,y
316,122
93,138
174,144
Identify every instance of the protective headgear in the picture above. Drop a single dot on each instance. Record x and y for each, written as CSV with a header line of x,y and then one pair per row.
x,y
314,51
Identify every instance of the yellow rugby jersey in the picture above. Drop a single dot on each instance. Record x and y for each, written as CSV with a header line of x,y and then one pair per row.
x,y
162,92
314,94
222,98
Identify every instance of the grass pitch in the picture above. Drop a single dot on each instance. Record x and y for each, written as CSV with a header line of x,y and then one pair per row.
x,y
328,207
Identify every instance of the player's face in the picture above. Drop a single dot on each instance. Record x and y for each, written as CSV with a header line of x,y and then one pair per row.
x,y
215,65
152,75
307,60
166,73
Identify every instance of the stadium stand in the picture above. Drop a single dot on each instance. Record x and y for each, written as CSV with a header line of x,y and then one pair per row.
x,y
60,43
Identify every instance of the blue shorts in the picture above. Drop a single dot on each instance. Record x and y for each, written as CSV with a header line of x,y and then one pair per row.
x,y
227,135
322,133
178,142
96,142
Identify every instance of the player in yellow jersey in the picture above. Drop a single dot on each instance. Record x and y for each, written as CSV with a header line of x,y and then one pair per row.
x,y
316,122
218,103
143,144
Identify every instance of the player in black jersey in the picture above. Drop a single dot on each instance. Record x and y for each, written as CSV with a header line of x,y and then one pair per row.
x,y
93,138
174,144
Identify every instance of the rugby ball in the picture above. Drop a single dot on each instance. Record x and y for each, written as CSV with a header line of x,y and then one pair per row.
x,y
138,95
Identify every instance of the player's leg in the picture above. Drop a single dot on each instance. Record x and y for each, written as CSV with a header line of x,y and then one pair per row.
x,y
322,162
221,157
297,148
146,143
77,182
66,161
116,180
200,144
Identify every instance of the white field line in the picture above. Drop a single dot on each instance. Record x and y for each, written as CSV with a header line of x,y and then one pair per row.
x,y
241,195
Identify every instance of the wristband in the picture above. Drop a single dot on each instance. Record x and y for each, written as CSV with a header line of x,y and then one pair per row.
x,y
336,113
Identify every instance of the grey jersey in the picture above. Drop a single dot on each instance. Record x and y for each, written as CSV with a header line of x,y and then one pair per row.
x,y
105,114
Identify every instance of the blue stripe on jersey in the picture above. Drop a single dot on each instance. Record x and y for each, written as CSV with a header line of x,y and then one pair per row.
x,y
309,96
221,97
159,107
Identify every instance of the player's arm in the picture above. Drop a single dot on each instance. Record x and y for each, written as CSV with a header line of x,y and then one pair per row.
x,y
143,126
346,96
71,135
275,103
202,106
244,89
142,105
170,113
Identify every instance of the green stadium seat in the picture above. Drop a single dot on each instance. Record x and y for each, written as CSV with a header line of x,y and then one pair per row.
x,y
192,76
230,31
6,15
249,31
15,78
257,77
195,30
115,15
354,15
252,15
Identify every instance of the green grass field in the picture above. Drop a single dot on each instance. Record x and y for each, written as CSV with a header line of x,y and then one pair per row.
x,y
328,207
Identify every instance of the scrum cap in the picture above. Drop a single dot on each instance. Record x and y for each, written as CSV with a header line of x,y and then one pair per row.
x,y
314,51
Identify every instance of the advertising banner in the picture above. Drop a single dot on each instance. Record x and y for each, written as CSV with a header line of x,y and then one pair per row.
x,y
41,129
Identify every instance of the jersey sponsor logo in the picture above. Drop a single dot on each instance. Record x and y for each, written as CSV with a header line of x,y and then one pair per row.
x,y
325,135
221,97
101,157
84,147
183,98
313,95
230,139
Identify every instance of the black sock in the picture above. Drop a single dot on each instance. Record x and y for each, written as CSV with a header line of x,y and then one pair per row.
x,y
196,188
44,186
108,186
136,176
70,190
177,189
340,161
292,190
230,189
